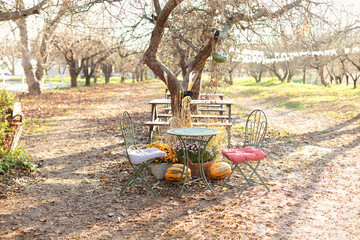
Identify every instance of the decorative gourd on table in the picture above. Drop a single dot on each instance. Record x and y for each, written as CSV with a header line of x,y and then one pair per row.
x,y
219,170
174,172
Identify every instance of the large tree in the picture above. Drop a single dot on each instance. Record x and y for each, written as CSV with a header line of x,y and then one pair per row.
x,y
243,14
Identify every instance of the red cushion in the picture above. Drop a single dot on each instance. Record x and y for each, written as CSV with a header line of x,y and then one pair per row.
x,y
244,154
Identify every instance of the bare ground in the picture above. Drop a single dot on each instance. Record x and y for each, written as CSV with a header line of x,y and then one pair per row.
x,y
312,171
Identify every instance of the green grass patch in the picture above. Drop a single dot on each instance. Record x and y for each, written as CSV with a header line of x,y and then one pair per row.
x,y
335,101
293,105
37,126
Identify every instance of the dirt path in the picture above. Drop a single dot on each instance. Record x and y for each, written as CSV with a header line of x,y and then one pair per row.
x,y
312,170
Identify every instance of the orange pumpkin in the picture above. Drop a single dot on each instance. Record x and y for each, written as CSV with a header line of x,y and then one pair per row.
x,y
219,170
173,174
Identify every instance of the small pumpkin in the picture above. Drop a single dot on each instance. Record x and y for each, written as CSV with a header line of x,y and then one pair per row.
x,y
173,173
219,170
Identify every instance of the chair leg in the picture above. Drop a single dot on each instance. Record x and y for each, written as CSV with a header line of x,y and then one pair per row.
x,y
147,184
248,180
254,171
158,180
144,165
228,178
137,174
128,184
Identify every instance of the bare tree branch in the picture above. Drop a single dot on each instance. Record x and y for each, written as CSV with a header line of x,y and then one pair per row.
x,y
15,15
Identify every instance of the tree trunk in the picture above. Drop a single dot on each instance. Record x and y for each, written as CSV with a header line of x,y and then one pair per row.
x,y
196,90
321,74
33,85
93,73
95,76
146,75
133,77
355,80
48,32
141,75
42,59
331,79
338,79
63,71
231,80
107,70
176,93
74,71
304,75
277,73
289,77
73,76
123,77
257,76
86,73
347,79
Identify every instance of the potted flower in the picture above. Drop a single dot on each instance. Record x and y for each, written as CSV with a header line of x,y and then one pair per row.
x,y
194,148
159,166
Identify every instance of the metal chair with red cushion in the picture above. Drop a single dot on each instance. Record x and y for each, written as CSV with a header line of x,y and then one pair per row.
x,y
251,154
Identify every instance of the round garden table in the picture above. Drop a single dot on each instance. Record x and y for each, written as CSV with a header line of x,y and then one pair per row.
x,y
186,135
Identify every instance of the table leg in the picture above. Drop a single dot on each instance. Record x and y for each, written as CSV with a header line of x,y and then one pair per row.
x,y
153,107
229,128
201,161
153,116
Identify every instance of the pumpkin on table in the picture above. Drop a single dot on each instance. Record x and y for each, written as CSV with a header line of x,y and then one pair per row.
x,y
219,170
174,172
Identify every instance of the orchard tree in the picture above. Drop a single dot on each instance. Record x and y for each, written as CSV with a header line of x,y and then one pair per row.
x,y
54,13
256,70
228,14
9,53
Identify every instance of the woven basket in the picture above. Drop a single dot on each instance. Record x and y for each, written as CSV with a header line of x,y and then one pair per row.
x,y
195,168
159,170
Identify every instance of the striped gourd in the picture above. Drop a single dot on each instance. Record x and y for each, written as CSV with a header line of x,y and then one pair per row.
x,y
173,174
219,170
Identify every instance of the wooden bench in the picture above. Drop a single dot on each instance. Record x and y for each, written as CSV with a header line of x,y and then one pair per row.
x,y
219,110
168,115
221,120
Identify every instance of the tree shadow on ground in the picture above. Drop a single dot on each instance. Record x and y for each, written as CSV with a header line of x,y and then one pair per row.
x,y
318,166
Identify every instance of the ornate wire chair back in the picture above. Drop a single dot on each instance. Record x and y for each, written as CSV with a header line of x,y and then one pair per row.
x,y
127,129
255,129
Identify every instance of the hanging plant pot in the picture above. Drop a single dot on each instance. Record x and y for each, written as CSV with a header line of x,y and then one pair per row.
x,y
220,58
